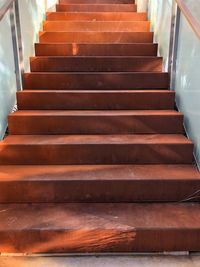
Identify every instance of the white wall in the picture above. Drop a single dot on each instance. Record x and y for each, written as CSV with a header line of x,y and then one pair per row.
x,y
32,13
142,5
159,12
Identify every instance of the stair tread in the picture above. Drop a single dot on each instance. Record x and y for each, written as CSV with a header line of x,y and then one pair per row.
x,y
96,73
99,227
96,49
99,216
94,169
96,57
96,80
99,44
96,100
99,172
99,12
95,32
95,139
95,113
97,1
163,91
96,25
95,37
95,4
117,22
97,7
95,64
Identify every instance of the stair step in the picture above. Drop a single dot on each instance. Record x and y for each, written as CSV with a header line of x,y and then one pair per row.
x,y
95,64
96,49
96,1
96,8
96,159
96,100
98,183
99,26
96,37
96,149
96,227
96,16
96,122
101,80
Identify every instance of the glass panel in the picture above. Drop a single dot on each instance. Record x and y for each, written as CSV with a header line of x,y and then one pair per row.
x,y
2,2
32,13
160,16
7,73
188,82
194,7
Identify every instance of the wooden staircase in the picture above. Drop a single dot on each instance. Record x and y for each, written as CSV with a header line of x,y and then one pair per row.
x,y
96,159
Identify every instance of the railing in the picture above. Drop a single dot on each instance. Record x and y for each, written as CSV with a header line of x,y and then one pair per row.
x,y
178,6
190,18
12,6
183,66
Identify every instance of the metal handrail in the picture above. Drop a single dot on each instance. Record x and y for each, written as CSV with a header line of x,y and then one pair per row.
x,y
190,18
5,8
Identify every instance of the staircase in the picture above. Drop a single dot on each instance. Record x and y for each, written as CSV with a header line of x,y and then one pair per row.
x,y
96,159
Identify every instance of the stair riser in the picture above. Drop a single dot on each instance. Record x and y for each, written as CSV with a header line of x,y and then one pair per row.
x,y
97,154
96,2
96,49
99,26
97,8
59,191
96,81
97,16
96,37
96,101
64,64
96,124
97,240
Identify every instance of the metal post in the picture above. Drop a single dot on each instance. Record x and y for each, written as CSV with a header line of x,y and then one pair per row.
x,y
173,46
17,43
19,36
